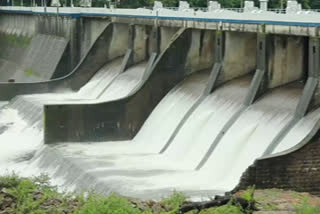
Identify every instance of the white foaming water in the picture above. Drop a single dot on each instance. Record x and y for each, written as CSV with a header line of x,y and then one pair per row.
x,y
299,131
30,107
249,137
176,103
245,141
204,125
19,139
192,141
22,117
3,103
124,83
101,80
142,173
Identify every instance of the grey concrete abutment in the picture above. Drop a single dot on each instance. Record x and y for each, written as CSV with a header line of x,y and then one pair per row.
x,y
184,54
296,168
110,44
240,54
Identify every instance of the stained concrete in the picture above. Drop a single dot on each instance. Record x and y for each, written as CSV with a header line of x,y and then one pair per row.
x,y
123,118
111,43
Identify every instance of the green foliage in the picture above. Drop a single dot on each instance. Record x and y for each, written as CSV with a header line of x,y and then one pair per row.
x,y
33,195
228,208
175,200
111,205
249,194
9,181
306,208
30,72
270,207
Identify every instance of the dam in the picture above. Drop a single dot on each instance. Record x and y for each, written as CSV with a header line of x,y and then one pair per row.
x,y
146,101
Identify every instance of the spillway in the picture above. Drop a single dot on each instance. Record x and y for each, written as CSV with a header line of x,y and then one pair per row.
x,y
30,60
100,81
249,137
194,138
176,103
245,141
221,105
299,131
135,167
21,120
30,107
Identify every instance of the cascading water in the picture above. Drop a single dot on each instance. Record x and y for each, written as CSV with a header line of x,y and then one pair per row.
x,y
126,168
249,137
245,141
118,169
192,141
22,118
299,131
100,81
176,103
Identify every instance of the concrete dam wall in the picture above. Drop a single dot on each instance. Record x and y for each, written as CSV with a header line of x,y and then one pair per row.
x,y
148,108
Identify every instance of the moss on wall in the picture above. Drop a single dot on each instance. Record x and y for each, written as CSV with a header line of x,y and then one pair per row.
x,y
14,40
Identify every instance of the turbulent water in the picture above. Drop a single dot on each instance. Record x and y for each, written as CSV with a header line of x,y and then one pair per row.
x,y
137,167
176,103
192,141
21,120
135,171
299,131
252,133
245,141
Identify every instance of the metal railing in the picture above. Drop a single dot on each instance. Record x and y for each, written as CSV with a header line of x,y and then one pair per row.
x,y
279,11
202,9
238,10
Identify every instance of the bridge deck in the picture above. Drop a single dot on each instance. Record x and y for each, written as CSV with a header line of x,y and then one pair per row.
x,y
303,23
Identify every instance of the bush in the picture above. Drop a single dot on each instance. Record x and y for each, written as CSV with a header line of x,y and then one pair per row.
x,y
228,208
306,208
113,204
175,200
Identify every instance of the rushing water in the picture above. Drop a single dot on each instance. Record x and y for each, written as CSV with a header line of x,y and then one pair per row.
x,y
245,141
158,128
136,167
194,138
249,137
21,120
122,170
299,131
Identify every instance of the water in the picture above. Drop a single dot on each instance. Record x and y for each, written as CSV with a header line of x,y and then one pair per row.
x,y
135,168
245,141
124,83
248,138
200,130
21,140
100,81
192,141
299,131
30,107
32,62
21,121
176,103
129,173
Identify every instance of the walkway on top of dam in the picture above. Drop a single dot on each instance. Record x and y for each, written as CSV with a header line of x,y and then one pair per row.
x,y
292,21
